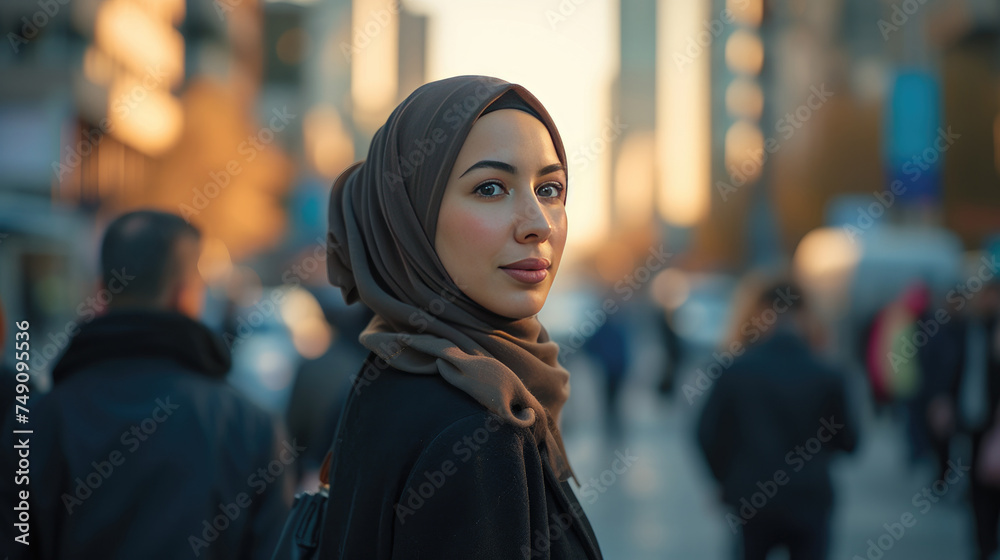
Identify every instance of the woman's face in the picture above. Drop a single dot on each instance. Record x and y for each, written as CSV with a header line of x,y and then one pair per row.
x,y
502,225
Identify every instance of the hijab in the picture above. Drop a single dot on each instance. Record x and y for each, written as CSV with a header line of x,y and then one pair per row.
x,y
380,250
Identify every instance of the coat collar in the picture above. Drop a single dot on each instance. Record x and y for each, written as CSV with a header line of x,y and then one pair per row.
x,y
163,335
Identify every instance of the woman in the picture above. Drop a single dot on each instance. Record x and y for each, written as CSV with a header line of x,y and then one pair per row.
x,y
451,232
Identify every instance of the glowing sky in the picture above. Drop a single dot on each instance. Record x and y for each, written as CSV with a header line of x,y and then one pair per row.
x,y
564,53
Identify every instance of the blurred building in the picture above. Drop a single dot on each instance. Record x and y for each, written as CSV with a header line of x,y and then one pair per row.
x,y
88,102
809,101
633,157
236,114
342,66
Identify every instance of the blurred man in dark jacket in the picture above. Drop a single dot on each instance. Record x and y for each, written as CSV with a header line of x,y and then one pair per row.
x,y
770,427
975,405
942,360
141,450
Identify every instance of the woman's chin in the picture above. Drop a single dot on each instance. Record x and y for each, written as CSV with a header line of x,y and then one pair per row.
x,y
519,306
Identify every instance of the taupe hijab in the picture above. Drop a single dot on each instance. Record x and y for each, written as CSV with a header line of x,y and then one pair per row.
x,y
380,248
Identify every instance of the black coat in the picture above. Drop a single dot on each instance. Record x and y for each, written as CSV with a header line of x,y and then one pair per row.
x,y
139,445
992,375
420,470
770,412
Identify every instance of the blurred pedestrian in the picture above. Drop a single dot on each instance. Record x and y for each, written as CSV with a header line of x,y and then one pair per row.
x,y
610,349
976,395
942,360
771,425
894,380
321,387
141,449
673,345
452,232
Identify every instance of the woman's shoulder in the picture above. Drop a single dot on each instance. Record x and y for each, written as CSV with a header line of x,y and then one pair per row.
x,y
400,411
482,436
379,387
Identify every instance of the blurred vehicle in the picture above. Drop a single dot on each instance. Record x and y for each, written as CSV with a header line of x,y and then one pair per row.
x,y
264,364
852,277
702,318
269,340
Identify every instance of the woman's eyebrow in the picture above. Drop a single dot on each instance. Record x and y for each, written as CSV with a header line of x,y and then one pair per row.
x,y
491,164
551,169
508,168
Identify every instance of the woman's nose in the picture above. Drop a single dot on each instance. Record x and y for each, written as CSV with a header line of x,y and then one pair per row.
x,y
532,222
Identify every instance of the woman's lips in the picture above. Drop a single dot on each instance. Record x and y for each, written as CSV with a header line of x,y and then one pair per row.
x,y
527,276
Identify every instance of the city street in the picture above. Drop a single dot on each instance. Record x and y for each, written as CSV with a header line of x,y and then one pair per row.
x,y
687,205
663,506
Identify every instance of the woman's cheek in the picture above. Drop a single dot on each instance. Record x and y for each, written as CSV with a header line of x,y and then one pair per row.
x,y
481,232
559,232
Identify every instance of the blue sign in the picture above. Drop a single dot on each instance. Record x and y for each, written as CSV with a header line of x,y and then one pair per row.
x,y
915,140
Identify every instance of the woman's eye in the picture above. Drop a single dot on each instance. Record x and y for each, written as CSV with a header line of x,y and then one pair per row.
x,y
489,189
550,190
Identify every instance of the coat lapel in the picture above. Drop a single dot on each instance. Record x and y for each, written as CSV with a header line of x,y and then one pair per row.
x,y
582,527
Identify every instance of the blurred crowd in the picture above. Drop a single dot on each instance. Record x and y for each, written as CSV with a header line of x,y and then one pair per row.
x,y
776,391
